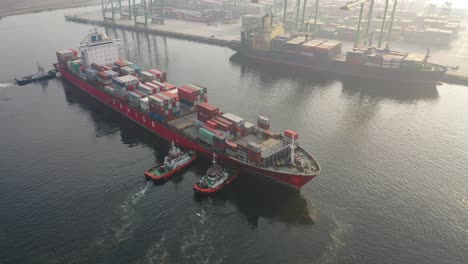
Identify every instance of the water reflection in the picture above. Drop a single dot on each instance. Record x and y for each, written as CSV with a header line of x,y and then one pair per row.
x,y
396,91
256,197
132,43
107,123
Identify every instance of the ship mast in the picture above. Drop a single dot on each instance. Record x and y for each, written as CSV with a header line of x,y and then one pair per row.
x,y
214,158
292,151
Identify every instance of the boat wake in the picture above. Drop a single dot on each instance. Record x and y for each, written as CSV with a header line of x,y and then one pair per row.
x,y
198,246
125,231
337,242
157,253
202,216
6,85
118,233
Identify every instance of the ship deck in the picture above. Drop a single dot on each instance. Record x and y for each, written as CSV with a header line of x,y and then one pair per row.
x,y
305,164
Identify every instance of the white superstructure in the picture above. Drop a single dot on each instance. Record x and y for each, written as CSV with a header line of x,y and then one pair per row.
x,y
99,48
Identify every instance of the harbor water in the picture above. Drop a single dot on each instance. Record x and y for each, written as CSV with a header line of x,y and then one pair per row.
x,y
393,187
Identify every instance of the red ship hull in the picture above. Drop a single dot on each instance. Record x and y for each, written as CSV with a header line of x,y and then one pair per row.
x,y
294,180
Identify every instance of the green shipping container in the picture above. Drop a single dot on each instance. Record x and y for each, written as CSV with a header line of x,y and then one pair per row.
x,y
200,89
205,133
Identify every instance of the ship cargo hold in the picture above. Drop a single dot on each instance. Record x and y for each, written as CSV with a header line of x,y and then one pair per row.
x,y
184,116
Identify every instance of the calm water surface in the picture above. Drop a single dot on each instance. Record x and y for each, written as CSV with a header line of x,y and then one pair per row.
x,y
393,187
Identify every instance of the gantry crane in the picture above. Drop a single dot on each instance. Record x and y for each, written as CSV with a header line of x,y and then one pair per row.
x,y
149,9
354,3
445,11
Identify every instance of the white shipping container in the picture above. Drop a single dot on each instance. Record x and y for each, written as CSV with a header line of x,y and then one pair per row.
x,y
155,100
235,119
249,126
109,89
147,76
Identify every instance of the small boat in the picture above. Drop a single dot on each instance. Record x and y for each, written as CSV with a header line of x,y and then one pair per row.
x,y
216,178
41,74
175,161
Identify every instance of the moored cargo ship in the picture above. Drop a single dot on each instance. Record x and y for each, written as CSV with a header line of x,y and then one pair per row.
x,y
183,115
269,43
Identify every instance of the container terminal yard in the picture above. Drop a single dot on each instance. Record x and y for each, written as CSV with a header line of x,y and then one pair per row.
x,y
223,27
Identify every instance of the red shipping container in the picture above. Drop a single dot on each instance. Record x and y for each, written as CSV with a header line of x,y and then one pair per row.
x,y
120,63
164,98
187,93
75,52
161,75
270,134
291,134
212,124
174,97
229,125
170,86
231,146
96,66
206,112
196,92
254,157
221,125
263,126
156,88
207,108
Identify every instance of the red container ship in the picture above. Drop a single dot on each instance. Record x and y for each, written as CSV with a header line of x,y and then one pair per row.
x,y
182,115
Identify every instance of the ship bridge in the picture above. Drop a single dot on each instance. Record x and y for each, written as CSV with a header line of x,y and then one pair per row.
x,y
98,48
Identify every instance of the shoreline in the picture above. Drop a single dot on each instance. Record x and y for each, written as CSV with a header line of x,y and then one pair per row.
x,y
38,9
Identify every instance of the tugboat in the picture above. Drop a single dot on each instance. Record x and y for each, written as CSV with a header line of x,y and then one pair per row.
x,y
175,161
216,178
41,74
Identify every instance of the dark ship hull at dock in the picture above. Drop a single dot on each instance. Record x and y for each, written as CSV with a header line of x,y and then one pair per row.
x,y
340,68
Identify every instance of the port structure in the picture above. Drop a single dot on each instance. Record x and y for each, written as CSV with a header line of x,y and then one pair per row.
x,y
234,8
444,11
115,7
383,26
151,11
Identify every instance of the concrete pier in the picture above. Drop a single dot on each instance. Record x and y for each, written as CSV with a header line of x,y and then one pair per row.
x,y
226,35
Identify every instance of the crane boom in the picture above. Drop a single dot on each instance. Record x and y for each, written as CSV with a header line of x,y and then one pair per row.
x,y
353,3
